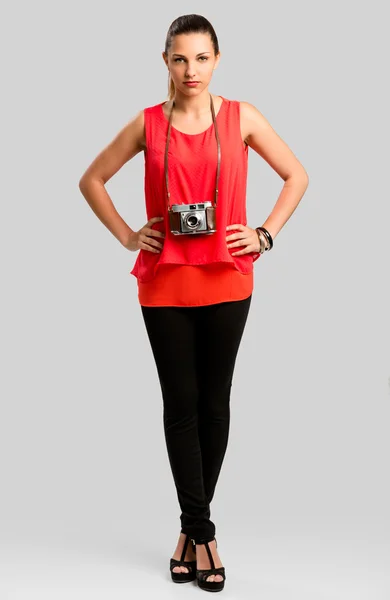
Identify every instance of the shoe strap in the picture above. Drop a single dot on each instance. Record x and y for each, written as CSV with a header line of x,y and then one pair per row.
x,y
185,547
210,555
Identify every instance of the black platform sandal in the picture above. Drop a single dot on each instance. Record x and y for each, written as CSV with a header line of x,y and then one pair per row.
x,y
202,574
189,564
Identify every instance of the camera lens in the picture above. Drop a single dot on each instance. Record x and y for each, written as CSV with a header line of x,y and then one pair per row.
x,y
192,221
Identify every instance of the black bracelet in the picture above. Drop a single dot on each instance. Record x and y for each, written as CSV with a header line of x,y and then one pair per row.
x,y
268,236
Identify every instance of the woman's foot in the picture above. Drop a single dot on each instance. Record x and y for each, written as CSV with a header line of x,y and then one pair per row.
x,y
190,554
203,561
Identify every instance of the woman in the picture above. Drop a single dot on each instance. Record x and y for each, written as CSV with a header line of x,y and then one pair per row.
x,y
195,266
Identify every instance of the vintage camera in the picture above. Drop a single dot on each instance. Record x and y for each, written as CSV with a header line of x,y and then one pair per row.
x,y
187,219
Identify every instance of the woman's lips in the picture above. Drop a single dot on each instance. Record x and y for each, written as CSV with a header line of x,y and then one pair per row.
x,y
191,83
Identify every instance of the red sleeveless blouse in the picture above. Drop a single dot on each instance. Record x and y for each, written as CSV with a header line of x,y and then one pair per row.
x,y
195,269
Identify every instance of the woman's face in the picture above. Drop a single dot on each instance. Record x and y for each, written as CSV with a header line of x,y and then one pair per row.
x,y
191,58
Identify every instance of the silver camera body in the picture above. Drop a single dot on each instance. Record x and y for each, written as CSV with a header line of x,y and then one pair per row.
x,y
185,219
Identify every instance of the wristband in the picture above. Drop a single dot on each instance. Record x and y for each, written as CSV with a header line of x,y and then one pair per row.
x,y
267,235
262,240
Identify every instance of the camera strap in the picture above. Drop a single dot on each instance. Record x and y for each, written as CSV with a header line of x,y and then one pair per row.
x,y
218,147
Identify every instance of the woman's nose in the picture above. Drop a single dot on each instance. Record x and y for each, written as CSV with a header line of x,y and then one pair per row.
x,y
190,71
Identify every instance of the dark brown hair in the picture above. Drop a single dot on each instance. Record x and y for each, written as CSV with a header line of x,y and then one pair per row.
x,y
188,24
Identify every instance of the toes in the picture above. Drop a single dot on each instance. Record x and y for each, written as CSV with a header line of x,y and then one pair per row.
x,y
215,578
180,570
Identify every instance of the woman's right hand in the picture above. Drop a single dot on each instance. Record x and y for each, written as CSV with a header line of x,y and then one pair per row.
x,y
145,237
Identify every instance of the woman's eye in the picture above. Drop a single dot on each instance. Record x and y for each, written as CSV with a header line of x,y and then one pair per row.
x,y
202,57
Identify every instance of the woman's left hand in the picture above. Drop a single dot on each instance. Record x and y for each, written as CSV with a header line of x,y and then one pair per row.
x,y
246,237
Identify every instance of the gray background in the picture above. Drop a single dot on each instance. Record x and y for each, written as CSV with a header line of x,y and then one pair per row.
x,y
88,507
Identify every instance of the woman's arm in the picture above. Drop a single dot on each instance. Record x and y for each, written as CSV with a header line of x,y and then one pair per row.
x,y
259,135
126,144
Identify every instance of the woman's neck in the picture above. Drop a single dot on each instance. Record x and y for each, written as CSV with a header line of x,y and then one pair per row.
x,y
194,106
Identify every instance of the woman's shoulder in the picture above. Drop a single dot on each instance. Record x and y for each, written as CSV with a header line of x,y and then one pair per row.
x,y
245,109
154,107
249,114
248,110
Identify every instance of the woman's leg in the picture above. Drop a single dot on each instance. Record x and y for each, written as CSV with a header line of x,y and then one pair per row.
x,y
218,336
172,332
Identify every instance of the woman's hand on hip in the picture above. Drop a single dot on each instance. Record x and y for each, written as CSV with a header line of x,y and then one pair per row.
x,y
145,238
246,236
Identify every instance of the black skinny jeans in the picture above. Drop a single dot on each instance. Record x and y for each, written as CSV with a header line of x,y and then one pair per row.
x,y
195,351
